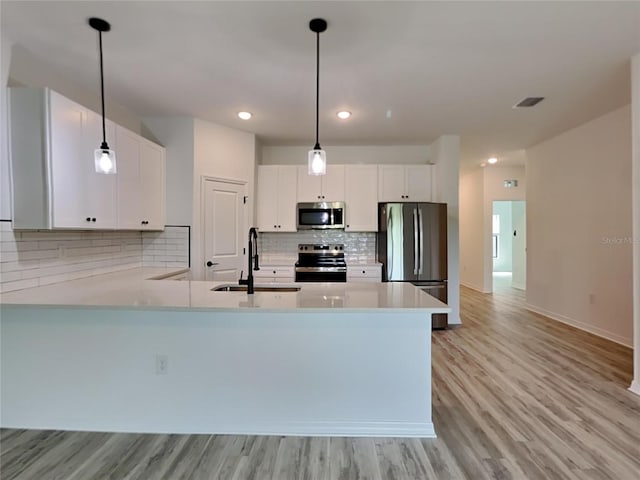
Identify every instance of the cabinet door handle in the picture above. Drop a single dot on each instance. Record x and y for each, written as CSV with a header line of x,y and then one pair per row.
x,y
88,219
93,219
275,226
279,226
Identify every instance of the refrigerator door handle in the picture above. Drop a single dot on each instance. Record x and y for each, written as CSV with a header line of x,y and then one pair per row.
x,y
390,250
416,244
420,245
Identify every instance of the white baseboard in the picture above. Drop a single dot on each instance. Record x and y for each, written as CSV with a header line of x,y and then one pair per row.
x,y
305,429
635,387
474,287
627,342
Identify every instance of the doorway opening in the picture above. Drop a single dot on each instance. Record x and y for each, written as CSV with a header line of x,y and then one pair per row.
x,y
508,240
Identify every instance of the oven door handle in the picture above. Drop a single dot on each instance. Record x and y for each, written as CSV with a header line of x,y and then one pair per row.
x,y
324,269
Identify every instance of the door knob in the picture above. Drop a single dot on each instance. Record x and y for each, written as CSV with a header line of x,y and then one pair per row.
x,y
211,264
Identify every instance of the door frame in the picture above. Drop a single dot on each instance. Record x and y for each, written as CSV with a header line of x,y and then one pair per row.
x,y
199,262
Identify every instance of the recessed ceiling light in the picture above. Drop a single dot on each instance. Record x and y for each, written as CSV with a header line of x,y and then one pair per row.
x,y
245,115
343,115
492,160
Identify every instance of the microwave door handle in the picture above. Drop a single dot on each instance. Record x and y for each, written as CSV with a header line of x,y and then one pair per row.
x,y
331,217
415,241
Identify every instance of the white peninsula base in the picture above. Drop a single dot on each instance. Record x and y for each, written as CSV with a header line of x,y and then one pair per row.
x,y
294,371
273,373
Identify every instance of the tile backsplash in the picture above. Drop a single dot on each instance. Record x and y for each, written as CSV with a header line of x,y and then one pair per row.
x,y
169,248
283,247
38,257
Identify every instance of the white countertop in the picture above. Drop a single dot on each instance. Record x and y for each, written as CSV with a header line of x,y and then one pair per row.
x,y
135,289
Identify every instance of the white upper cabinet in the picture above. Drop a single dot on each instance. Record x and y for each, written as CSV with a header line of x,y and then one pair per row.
x,y
128,164
404,183
361,198
152,186
141,182
276,199
321,188
55,185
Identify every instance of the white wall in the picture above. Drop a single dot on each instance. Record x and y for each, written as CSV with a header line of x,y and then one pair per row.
x,y
177,135
579,266
635,106
374,154
472,241
494,177
446,157
479,188
31,71
222,153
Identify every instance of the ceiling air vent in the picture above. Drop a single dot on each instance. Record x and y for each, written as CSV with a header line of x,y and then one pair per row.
x,y
528,102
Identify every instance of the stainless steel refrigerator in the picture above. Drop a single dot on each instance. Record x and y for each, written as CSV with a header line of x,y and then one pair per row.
x,y
412,247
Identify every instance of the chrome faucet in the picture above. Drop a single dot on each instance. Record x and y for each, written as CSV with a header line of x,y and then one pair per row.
x,y
252,260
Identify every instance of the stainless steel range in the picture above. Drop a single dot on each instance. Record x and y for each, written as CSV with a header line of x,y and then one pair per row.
x,y
321,263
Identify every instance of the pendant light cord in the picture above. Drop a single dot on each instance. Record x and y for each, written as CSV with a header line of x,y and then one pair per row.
x,y
104,130
317,147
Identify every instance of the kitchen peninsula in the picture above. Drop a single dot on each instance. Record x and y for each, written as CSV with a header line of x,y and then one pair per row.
x,y
124,352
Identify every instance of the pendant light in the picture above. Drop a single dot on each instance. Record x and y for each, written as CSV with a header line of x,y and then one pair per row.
x,y
105,158
317,156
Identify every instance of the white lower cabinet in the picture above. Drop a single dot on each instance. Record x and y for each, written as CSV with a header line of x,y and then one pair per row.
x,y
364,273
273,273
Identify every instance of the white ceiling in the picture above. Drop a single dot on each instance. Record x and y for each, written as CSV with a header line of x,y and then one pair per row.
x,y
440,67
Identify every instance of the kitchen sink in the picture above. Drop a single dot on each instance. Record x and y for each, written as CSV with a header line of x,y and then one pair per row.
x,y
243,288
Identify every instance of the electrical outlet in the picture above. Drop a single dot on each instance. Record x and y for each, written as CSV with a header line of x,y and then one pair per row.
x,y
162,364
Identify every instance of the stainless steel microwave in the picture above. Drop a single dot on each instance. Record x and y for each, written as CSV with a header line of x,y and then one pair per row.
x,y
321,216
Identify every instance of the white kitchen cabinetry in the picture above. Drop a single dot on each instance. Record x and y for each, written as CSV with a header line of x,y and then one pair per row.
x,y
52,161
321,188
55,185
364,273
402,183
361,198
276,199
274,273
141,182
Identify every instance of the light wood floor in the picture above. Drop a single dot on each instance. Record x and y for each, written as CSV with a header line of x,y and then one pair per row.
x,y
515,396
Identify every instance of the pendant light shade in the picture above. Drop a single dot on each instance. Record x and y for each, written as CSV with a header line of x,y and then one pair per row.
x,y
104,157
317,156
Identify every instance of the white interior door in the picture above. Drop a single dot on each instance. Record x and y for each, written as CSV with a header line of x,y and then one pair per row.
x,y
223,230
